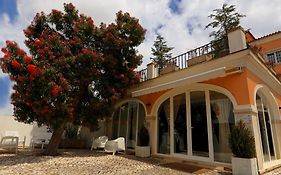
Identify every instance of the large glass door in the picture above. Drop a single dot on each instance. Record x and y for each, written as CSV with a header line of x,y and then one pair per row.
x,y
180,127
199,124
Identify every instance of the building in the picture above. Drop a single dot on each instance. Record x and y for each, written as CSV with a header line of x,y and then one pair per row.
x,y
192,105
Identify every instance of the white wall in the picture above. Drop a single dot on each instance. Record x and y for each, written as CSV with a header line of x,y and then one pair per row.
x,y
7,123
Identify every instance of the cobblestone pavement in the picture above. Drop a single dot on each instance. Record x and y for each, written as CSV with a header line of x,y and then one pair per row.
x,y
82,162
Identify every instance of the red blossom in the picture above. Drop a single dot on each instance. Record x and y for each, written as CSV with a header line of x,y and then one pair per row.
x,y
21,52
4,50
27,32
90,22
7,55
15,64
20,78
38,42
27,59
10,43
56,90
31,68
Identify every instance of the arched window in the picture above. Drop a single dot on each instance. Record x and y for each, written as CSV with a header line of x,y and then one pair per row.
x,y
196,124
127,120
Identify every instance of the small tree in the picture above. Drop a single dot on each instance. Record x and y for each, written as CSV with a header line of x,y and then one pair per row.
x,y
76,71
224,19
160,51
241,141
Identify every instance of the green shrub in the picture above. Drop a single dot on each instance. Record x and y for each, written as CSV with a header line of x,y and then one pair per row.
x,y
242,143
143,136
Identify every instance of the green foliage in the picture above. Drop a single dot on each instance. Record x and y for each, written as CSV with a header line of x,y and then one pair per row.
x,y
143,136
224,19
76,71
160,51
241,141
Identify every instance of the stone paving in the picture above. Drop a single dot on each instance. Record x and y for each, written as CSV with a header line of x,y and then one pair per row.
x,y
82,162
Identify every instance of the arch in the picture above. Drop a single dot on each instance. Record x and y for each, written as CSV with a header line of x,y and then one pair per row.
x,y
120,103
196,86
270,99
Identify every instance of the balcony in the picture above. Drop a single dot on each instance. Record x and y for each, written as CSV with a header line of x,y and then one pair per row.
x,y
212,50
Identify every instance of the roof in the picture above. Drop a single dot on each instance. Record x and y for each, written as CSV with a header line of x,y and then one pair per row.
x,y
268,35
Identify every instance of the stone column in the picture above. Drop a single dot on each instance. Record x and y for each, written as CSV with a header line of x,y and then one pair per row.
x,y
151,125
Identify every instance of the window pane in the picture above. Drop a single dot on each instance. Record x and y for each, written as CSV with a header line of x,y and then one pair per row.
x,y
123,121
132,125
222,122
200,144
164,128
180,133
278,56
141,118
115,124
271,58
262,129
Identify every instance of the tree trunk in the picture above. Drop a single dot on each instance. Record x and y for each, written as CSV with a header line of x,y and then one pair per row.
x,y
52,147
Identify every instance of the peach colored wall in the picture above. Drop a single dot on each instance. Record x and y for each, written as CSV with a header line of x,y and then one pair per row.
x,y
236,84
151,99
270,46
242,86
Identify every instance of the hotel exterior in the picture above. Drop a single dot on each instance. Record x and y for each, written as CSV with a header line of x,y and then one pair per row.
x,y
191,105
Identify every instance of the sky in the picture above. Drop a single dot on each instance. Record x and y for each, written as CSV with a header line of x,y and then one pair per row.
x,y
181,22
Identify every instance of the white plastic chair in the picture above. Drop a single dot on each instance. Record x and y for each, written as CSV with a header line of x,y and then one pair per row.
x,y
99,142
9,142
115,145
16,134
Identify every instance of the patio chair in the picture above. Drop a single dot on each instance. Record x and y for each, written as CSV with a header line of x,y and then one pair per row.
x,y
9,142
16,134
115,145
99,142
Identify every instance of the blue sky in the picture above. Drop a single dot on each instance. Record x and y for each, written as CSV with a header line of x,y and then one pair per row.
x,y
181,22
9,7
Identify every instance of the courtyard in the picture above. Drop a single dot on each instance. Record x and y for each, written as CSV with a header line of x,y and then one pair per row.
x,y
82,162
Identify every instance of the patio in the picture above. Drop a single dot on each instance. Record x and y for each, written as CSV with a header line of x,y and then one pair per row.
x,y
93,162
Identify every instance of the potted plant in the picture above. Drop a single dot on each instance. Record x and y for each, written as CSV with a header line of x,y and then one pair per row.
x,y
242,144
143,148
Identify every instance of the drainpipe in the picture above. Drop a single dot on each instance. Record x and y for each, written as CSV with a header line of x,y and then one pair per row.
x,y
236,39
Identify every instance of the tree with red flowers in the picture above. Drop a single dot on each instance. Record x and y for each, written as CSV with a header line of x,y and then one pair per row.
x,y
76,70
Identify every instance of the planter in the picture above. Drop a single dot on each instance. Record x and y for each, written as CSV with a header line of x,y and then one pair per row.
x,y
142,151
171,67
244,166
199,59
72,143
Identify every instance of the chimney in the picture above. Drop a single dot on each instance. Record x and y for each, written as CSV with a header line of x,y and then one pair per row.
x,y
236,39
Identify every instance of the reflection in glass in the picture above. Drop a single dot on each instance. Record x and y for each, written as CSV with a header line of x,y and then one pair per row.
x,y
180,131
123,120
126,121
115,124
265,128
164,128
132,124
141,119
200,144
222,122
